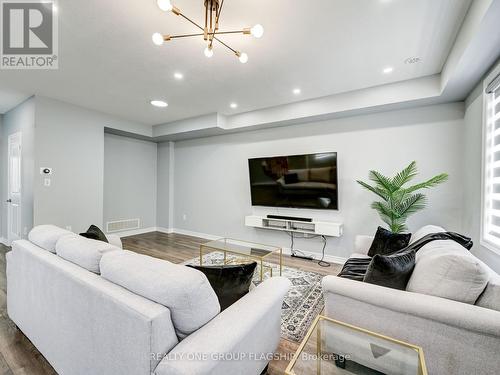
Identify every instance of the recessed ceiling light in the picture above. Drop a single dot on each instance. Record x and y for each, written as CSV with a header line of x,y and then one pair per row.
x,y
178,75
233,105
413,60
159,103
388,70
297,91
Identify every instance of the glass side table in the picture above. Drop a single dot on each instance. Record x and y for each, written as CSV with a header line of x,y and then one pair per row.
x,y
333,347
243,249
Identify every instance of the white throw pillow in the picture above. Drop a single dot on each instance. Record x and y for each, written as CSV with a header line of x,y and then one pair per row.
x,y
82,251
46,236
185,291
490,298
453,275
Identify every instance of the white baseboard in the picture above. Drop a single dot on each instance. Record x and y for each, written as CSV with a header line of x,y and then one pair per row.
x,y
165,230
185,232
134,232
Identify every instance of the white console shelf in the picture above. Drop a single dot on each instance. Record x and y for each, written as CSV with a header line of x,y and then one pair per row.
x,y
322,228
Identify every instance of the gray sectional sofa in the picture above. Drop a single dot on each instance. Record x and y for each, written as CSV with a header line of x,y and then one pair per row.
x,y
451,308
92,308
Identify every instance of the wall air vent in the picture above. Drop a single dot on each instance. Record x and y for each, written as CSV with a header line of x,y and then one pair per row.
x,y
122,225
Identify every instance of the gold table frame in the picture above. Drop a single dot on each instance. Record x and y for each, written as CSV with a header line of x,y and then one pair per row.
x,y
260,259
316,327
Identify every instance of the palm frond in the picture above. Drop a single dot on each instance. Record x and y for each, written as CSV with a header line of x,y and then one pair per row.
x,y
406,175
384,211
382,181
412,204
436,180
376,190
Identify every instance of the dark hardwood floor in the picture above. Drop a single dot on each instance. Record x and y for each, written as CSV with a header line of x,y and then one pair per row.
x,y
19,356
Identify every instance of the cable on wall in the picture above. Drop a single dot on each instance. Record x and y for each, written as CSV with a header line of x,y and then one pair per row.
x,y
322,261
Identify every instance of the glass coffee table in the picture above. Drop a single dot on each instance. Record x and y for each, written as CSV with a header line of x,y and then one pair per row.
x,y
333,347
245,250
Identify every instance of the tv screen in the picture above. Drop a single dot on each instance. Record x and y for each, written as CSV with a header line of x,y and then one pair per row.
x,y
299,181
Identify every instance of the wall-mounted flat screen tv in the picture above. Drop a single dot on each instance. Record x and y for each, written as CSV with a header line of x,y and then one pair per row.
x,y
298,181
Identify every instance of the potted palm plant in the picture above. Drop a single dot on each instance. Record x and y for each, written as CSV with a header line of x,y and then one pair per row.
x,y
398,200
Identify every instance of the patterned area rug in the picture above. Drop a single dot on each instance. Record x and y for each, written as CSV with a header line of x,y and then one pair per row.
x,y
303,302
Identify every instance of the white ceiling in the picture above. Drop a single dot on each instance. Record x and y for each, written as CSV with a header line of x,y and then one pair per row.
x,y
108,63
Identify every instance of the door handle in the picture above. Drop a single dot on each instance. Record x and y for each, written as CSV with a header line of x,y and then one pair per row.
x,y
9,200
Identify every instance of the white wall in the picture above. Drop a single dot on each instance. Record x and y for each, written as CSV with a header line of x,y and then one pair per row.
x,y
20,119
165,201
70,139
472,174
130,180
211,182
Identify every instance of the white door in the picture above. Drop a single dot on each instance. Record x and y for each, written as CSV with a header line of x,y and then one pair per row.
x,y
14,188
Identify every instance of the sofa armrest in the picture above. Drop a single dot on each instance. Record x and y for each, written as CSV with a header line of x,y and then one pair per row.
x,y
362,244
240,340
114,240
449,312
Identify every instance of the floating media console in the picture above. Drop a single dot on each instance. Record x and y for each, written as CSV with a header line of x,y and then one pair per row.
x,y
322,228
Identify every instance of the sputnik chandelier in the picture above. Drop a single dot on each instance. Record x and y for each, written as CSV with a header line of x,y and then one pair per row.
x,y
210,32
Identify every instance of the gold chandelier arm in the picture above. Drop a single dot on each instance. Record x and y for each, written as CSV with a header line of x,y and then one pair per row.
x,y
230,32
183,36
169,37
179,13
225,45
190,20
217,16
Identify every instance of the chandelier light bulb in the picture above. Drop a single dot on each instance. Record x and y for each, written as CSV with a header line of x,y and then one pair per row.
x,y
243,58
257,31
165,5
157,39
209,52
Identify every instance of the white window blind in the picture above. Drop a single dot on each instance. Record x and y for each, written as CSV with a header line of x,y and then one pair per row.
x,y
491,200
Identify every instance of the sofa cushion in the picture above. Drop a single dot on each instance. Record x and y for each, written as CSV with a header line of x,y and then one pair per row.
x,y
424,231
490,298
391,271
95,233
386,242
185,291
454,275
82,251
46,236
230,282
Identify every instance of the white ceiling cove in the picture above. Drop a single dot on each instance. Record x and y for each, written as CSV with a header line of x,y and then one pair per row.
x,y
108,63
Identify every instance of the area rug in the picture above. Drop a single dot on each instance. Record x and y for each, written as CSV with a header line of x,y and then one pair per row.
x,y
302,304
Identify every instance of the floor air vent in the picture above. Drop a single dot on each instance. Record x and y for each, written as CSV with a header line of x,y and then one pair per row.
x,y
122,225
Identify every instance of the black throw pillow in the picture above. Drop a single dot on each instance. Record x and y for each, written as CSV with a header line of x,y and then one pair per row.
x,y
392,271
230,282
291,178
386,242
94,233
